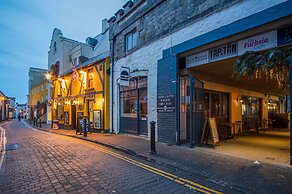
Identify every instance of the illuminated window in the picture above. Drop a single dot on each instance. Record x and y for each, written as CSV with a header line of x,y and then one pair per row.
x,y
90,78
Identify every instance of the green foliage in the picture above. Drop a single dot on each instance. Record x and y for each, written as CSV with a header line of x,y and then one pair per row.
x,y
271,65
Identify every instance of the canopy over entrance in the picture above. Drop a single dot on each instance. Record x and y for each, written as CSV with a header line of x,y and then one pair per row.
x,y
221,72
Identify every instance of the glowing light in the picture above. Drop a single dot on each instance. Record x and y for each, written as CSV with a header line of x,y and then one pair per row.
x,y
81,71
48,76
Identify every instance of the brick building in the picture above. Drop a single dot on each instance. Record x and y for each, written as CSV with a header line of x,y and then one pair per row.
x,y
179,56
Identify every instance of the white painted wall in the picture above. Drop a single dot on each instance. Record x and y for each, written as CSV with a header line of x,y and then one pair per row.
x,y
147,57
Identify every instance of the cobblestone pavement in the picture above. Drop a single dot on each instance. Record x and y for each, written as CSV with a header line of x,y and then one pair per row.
x,y
50,163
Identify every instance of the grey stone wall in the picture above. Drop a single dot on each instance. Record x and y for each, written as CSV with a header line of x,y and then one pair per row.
x,y
154,19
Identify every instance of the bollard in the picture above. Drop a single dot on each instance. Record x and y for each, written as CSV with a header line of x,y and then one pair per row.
x,y
84,128
40,123
152,138
34,121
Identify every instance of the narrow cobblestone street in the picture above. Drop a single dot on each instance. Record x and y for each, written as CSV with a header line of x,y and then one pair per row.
x,y
49,163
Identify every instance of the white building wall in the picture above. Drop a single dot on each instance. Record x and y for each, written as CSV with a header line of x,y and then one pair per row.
x,y
146,58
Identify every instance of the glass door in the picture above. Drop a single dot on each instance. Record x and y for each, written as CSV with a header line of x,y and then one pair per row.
x,y
191,110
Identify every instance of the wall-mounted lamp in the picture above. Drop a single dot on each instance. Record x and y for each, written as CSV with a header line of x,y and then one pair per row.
x,y
81,71
48,76
239,99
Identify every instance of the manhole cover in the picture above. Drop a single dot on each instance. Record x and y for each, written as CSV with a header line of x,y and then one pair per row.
x,y
11,147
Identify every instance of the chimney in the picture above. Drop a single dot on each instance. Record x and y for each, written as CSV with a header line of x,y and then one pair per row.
x,y
105,25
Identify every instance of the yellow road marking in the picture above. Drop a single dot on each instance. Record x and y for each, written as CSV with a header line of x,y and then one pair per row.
x,y
179,180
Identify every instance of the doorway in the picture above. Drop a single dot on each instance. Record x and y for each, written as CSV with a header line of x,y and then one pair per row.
x,y
191,110
73,116
133,107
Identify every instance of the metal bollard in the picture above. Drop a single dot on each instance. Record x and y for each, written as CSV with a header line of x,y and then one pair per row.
x,y
84,128
40,123
152,138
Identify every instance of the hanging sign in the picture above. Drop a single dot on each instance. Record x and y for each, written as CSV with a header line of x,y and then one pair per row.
x,y
166,103
197,59
258,43
223,52
125,76
285,36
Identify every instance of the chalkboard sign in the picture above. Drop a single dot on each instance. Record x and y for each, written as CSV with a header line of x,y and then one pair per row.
x,y
55,124
80,127
214,131
210,128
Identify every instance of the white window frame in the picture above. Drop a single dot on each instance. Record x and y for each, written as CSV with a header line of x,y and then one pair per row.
x,y
131,40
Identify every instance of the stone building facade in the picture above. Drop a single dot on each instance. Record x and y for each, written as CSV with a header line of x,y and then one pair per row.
x,y
152,39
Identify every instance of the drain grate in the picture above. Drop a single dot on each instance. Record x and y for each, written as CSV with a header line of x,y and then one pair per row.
x,y
11,147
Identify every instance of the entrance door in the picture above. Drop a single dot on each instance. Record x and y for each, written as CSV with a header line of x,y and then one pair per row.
x,y
191,110
133,106
73,116
142,112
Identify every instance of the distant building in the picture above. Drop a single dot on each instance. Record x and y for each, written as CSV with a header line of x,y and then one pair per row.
x,y
12,108
4,107
37,95
21,109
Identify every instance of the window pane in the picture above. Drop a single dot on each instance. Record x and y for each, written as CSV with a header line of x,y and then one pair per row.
x,y
134,41
129,104
132,85
215,106
143,103
142,82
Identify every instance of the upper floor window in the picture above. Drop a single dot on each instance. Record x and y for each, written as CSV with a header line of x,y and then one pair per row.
x,y
75,61
55,48
131,40
90,78
42,87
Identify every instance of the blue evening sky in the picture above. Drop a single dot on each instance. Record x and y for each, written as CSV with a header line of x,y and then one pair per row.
x,y
26,28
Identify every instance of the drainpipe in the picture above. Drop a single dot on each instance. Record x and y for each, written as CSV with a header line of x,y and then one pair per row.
x,y
290,87
112,80
191,111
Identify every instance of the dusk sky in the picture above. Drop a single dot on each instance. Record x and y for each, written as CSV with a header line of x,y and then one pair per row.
x,y
26,29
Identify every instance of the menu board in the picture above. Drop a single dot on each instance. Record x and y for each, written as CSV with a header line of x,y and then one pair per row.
x,y
96,119
214,130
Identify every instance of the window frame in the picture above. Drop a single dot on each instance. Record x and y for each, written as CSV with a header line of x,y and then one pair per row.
x,y
133,38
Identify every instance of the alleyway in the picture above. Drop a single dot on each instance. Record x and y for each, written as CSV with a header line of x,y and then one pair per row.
x,y
49,163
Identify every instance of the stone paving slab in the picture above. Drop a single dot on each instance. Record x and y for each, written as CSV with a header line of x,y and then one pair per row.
x,y
240,174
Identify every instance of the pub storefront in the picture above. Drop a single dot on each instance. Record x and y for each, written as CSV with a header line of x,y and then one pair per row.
x,y
241,107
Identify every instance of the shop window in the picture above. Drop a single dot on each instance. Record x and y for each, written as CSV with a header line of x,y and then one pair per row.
x,y
131,40
129,104
129,98
216,104
90,78
251,106
60,111
273,106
